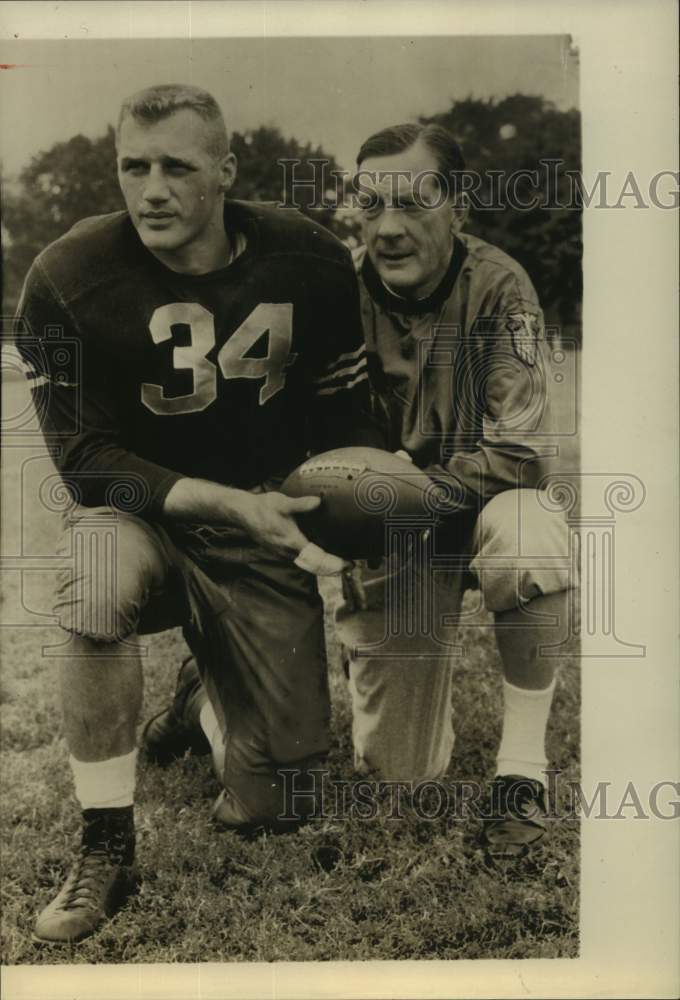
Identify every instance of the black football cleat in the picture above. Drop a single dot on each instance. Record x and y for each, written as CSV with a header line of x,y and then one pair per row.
x,y
96,888
229,814
176,730
98,885
517,819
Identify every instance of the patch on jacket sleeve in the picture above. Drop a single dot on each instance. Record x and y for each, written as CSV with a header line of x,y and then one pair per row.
x,y
525,329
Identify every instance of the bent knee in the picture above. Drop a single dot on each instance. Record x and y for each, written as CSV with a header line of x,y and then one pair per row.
x,y
84,609
522,550
115,560
279,800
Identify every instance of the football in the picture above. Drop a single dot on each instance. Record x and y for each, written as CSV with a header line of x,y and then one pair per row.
x,y
365,492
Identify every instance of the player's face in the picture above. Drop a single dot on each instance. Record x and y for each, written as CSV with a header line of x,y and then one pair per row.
x,y
408,223
174,186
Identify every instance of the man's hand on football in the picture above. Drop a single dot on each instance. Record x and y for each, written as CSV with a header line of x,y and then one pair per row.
x,y
269,519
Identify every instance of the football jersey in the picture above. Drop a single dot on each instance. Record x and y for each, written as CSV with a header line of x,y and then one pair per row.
x,y
142,375
462,375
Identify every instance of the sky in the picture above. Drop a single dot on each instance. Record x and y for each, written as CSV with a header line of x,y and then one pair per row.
x,y
329,91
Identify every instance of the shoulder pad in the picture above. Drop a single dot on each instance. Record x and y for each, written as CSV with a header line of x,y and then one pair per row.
x,y
287,230
92,251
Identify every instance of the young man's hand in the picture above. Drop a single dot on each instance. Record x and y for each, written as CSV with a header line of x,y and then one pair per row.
x,y
267,518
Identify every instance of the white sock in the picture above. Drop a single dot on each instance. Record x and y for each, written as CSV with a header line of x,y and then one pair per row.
x,y
211,728
525,718
105,784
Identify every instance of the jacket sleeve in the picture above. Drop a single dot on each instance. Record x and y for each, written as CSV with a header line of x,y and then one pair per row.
x,y
503,387
342,408
71,386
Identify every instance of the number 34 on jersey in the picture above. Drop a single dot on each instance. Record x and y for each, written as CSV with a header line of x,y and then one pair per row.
x,y
272,320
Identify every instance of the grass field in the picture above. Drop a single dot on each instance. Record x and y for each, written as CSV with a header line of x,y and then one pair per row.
x,y
402,889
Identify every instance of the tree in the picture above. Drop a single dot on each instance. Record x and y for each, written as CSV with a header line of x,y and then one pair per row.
x,y
512,135
498,139
77,178
68,182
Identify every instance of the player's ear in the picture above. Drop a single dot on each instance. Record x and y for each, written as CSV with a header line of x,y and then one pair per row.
x,y
228,171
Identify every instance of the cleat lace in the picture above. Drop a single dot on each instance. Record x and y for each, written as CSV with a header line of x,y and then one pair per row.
x,y
91,870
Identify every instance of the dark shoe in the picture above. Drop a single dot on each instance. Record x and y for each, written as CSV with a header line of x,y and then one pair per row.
x,y
176,730
98,885
517,820
229,814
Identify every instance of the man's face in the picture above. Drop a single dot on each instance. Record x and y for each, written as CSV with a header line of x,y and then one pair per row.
x,y
408,226
172,184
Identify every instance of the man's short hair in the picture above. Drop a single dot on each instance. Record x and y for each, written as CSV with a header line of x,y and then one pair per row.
x,y
398,138
152,104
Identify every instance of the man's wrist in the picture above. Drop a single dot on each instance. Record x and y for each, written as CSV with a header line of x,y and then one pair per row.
x,y
206,502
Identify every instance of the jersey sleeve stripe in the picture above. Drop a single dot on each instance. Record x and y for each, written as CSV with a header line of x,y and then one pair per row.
x,y
349,355
343,372
345,360
341,387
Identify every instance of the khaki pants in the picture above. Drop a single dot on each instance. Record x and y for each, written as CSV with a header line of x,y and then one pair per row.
x,y
401,649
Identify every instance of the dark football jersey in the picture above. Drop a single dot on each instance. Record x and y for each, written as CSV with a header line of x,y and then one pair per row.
x,y
142,376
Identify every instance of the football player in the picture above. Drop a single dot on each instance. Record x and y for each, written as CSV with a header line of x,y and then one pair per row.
x,y
184,356
454,333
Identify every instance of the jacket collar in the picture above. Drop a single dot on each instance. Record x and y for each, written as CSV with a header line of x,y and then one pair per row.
x,y
395,303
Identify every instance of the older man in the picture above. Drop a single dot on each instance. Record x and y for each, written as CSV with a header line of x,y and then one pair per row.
x,y
454,331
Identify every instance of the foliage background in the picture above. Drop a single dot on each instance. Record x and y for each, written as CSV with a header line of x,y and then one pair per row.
x,y
76,178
